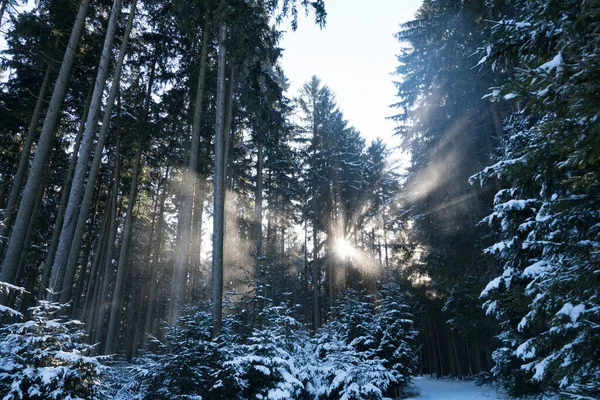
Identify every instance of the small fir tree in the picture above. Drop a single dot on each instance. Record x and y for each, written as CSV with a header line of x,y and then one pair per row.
x,y
46,358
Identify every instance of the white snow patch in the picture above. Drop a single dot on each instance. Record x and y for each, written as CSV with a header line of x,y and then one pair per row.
x,y
525,350
536,269
445,389
552,64
572,311
492,285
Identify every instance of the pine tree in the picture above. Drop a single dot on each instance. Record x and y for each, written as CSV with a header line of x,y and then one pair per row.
x,y
395,336
47,357
186,361
546,298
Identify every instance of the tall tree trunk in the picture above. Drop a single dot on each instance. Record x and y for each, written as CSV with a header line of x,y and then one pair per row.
x,y
316,279
24,160
219,190
140,312
196,256
39,164
178,282
227,127
258,199
75,245
123,255
28,237
153,293
83,270
100,305
61,279
100,250
64,196
385,244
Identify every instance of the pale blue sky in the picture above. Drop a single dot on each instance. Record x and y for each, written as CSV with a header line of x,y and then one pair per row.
x,y
354,55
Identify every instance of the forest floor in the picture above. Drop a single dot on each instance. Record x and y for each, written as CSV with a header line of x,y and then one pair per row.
x,y
452,389
427,387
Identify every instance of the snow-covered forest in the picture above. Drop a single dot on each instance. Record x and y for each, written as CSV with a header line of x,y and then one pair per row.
x,y
175,224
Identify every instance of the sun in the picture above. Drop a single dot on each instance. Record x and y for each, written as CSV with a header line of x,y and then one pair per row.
x,y
343,249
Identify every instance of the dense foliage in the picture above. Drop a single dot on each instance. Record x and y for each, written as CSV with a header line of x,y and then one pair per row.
x,y
156,176
537,79
547,297
366,350
46,357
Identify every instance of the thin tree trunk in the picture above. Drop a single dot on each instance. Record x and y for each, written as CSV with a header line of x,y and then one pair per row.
x,y
84,262
29,236
64,196
258,199
155,261
101,305
457,360
385,244
140,321
196,259
24,160
100,250
73,251
61,278
219,190
227,127
178,282
39,164
316,279
439,348
123,255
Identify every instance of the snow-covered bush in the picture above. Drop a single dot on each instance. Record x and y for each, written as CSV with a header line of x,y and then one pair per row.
x,y
343,372
395,336
365,351
46,358
5,288
265,366
184,365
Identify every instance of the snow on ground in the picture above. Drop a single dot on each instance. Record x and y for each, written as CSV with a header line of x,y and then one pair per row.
x,y
446,389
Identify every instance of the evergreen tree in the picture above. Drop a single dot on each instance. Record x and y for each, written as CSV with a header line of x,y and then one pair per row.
x,y
46,357
546,297
186,361
450,133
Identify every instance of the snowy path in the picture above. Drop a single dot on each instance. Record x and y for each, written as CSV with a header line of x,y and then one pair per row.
x,y
442,389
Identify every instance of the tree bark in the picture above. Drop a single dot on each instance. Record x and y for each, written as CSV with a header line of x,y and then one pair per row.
x,y
219,190
100,250
178,282
100,305
24,160
73,251
140,312
123,255
39,164
155,262
59,275
316,280
258,199
64,196
28,237
83,269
